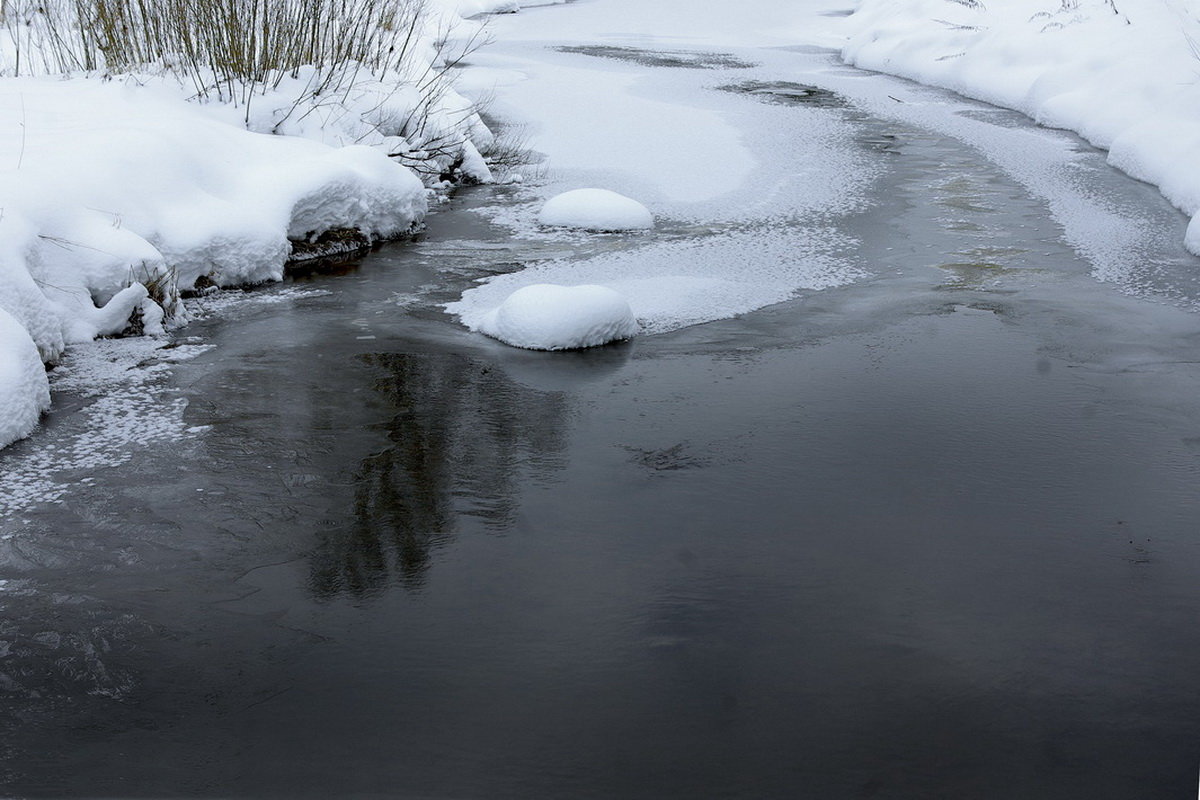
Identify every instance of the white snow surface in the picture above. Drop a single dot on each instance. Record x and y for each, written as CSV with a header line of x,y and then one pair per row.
x,y
550,317
736,196
595,210
108,187
671,285
117,191
1124,75
24,390
1128,81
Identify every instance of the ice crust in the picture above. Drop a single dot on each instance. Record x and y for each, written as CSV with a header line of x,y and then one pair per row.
x,y
550,317
595,210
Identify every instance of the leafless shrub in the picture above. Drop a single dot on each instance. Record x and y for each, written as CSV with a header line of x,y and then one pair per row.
x,y
233,50
238,41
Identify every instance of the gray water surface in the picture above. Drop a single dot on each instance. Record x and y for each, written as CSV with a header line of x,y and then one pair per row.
x,y
933,534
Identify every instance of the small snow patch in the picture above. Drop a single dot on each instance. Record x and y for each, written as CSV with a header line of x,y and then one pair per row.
x,y
595,210
549,317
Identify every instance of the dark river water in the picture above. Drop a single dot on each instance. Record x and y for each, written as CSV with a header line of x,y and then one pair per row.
x,y
933,534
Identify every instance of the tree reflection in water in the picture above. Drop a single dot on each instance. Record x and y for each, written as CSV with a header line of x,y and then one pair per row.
x,y
462,433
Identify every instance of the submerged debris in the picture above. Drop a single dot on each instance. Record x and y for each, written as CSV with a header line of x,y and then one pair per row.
x,y
788,93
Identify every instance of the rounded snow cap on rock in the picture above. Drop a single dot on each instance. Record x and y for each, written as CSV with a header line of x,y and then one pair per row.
x,y
550,317
595,210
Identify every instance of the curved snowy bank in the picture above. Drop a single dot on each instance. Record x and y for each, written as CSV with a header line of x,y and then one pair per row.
x,y
109,191
1123,76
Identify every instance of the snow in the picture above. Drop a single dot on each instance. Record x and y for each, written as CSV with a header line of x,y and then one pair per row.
x,y
470,8
664,148
663,24
603,114
1123,75
110,188
735,196
595,210
117,192
550,317
134,179
671,285
24,390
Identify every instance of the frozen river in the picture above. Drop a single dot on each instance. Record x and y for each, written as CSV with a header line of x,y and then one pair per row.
x,y
928,529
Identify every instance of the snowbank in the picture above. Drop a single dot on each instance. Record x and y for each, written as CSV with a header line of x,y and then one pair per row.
x,y
549,317
1124,75
595,210
117,192
111,190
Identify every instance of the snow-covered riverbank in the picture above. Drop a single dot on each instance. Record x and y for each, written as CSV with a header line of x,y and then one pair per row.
x,y
115,194
1124,74
118,192
608,115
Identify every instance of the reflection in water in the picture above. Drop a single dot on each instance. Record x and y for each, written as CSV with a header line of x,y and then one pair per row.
x,y
461,433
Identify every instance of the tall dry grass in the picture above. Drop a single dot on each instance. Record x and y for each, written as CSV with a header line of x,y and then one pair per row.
x,y
226,47
231,50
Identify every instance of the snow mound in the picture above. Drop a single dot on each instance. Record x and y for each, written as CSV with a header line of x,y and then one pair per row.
x,y
595,210
24,389
550,317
